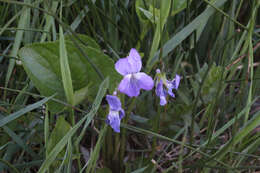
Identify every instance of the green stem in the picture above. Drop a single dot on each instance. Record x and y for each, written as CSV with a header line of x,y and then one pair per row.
x,y
72,121
123,137
155,128
46,131
251,59
110,150
226,15
72,117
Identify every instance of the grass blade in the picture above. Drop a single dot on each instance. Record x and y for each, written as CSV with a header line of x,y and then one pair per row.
x,y
94,155
164,12
65,70
17,42
23,111
184,33
49,20
55,151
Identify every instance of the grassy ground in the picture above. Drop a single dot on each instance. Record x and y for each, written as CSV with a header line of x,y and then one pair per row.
x,y
57,65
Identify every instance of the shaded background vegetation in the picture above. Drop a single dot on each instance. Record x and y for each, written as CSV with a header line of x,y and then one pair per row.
x,y
211,126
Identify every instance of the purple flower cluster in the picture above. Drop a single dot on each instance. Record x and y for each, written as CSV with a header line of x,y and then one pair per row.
x,y
162,91
131,84
133,80
116,113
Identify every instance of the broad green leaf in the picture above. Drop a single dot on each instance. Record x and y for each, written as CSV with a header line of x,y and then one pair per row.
x,y
80,95
41,63
86,40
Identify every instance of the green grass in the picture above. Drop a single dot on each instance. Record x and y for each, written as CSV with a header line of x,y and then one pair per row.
x,y
57,64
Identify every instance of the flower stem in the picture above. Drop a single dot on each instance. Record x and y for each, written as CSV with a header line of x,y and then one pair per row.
x,y
155,127
123,137
72,121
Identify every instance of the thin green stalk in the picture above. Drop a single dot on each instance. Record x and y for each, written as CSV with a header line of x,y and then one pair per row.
x,y
226,15
72,120
238,8
17,42
10,21
155,128
180,159
123,137
109,146
24,29
116,155
194,106
251,59
143,131
46,131
40,96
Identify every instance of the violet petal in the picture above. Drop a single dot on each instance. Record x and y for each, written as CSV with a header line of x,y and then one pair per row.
x,y
160,92
176,81
122,66
130,64
170,92
129,86
163,100
170,85
159,88
145,82
135,61
121,114
114,102
113,120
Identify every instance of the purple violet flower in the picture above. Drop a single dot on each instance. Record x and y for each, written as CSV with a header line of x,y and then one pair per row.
x,y
116,113
163,92
133,80
160,92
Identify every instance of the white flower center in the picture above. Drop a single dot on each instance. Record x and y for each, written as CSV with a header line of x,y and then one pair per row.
x,y
114,113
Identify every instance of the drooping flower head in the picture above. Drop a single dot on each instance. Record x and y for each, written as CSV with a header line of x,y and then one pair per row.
x,y
133,80
116,113
164,87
